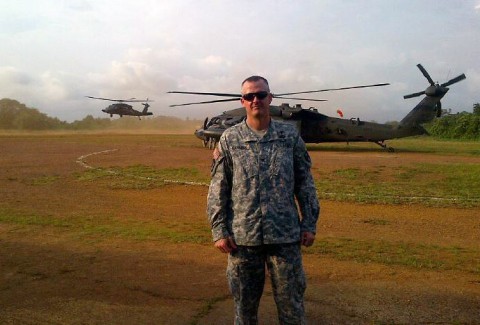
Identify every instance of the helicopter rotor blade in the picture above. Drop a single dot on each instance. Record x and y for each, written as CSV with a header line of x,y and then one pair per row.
x,y
202,93
207,102
425,74
111,100
414,95
454,80
307,99
331,89
131,100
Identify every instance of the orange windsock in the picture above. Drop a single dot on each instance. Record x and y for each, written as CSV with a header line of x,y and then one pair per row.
x,y
339,112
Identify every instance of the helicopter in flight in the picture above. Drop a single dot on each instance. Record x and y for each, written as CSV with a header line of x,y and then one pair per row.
x,y
315,127
121,108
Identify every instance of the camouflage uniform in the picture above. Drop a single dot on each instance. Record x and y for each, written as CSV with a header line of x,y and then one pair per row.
x,y
252,198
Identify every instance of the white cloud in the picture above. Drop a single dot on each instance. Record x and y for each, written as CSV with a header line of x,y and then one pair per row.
x,y
12,77
52,87
54,55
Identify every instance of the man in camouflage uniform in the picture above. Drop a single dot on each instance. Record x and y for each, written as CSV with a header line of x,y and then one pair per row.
x,y
260,167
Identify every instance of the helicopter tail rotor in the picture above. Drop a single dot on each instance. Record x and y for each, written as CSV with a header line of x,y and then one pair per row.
x,y
145,107
454,80
414,95
425,74
434,89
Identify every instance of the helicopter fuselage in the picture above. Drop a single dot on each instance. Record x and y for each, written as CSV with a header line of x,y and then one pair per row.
x,y
315,127
124,109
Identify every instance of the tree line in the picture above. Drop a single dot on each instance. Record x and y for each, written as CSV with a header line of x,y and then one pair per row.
x,y
17,116
464,125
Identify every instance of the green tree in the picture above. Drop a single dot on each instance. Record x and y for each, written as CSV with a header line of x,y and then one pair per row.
x,y
90,123
14,115
476,109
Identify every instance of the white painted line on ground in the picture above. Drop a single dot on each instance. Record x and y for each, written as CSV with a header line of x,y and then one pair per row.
x,y
81,161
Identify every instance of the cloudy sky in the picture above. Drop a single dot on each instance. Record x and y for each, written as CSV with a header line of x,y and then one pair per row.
x,y
56,52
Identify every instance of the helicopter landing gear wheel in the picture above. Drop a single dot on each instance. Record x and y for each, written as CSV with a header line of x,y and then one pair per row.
x,y
384,146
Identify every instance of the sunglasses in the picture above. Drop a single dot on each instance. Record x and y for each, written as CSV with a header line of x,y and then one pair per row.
x,y
260,95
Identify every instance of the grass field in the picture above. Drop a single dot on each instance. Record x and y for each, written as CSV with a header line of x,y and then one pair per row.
x,y
111,228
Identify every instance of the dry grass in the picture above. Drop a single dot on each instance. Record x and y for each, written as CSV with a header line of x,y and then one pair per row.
x,y
88,246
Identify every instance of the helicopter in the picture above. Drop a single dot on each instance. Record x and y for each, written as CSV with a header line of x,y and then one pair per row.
x,y
315,127
121,108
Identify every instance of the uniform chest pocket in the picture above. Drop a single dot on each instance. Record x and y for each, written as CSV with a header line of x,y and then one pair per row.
x,y
282,158
245,163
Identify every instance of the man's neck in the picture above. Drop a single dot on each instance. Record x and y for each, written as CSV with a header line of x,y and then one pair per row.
x,y
258,124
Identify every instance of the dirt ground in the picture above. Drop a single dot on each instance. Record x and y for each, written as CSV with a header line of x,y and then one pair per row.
x,y
54,273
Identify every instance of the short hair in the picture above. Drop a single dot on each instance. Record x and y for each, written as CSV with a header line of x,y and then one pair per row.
x,y
256,78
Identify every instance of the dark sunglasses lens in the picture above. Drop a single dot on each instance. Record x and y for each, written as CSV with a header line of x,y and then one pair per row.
x,y
249,97
260,95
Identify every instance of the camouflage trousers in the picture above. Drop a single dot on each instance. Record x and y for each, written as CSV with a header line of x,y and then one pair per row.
x,y
246,278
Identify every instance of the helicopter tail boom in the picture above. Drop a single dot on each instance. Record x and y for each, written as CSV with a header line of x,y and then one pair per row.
x,y
430,106
145,108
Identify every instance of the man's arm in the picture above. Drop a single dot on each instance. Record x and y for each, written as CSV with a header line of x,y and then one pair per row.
x,y
305,193
219,193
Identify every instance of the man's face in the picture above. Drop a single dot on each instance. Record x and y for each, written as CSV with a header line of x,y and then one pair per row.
x,y
256,107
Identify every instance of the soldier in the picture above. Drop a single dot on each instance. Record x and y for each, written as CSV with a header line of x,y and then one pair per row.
x,y
260,167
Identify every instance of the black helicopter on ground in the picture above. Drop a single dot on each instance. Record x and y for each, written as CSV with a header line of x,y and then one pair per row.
x,y
121,108
315,127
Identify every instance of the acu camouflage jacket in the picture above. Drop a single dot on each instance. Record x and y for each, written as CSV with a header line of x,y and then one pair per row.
x,y
254,185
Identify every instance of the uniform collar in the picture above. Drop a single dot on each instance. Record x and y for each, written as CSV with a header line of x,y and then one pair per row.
x,y
273,132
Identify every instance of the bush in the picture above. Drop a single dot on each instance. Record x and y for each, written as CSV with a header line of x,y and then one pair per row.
x,y
464,126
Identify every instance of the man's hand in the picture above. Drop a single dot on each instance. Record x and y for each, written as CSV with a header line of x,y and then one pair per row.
x,y
226,245
307,238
